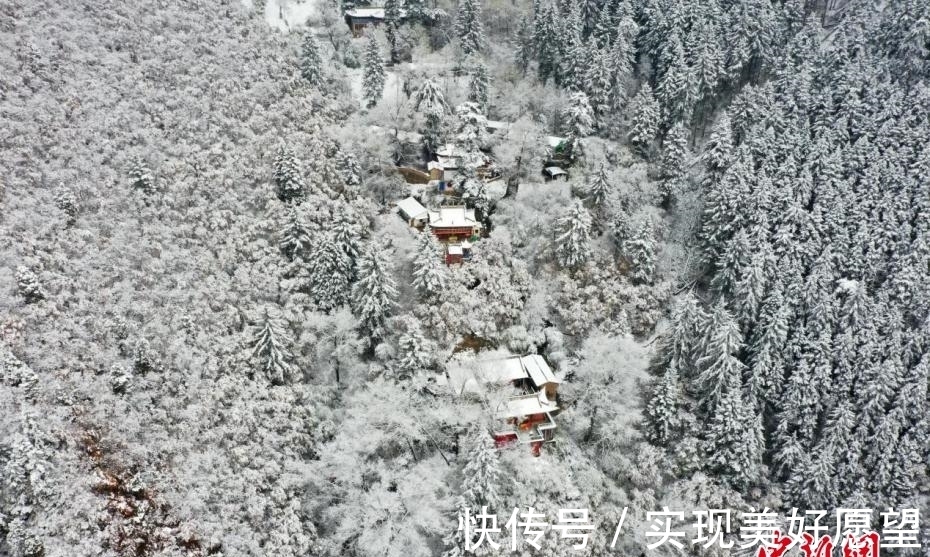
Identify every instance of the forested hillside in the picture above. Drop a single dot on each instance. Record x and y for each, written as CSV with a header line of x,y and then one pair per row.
x,y
217,336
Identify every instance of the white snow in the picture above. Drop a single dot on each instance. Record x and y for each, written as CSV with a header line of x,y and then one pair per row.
x,y
285,15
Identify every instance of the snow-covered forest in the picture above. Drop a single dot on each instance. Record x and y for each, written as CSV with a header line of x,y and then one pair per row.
x,y
218,336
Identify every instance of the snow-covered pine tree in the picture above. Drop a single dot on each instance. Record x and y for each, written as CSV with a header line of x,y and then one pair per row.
x,y
328,272
599,189
481,476
644,127
66,201
270,347
641,251
471,131
287,176
430,101
374,294
469,27
295,239
28,285
478,86
311,63
661,415
572,236
429,97
546,42
734,441
578,116
374,76
430,274
415,355
346,230
718,152
141,176
525,48
674,161
719,361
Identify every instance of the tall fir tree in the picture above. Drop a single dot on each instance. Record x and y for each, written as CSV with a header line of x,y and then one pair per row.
x,y
311,62
674,161
373,78
641,251
287,176
430,274
478,86
141,176
573,237
662,413
645,119
328,272
374,293
271,347
469,27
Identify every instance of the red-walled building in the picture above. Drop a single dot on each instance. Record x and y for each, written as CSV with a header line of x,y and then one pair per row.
x,y
454,223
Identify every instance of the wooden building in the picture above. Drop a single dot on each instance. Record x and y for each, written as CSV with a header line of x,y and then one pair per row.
x,y
413,212
526,415
359,19
454,223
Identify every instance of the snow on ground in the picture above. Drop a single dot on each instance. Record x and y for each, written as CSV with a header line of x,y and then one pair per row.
x,y
284,15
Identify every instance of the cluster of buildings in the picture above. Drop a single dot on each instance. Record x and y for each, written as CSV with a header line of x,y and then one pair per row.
x,y
521,392
454,225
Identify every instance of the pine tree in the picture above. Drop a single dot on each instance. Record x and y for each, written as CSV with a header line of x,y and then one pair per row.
x,y
28,285
468,26
328,272
66,201
720,366
674,161
374,76
429,97
290,184
270,347
600,189
572,237
415,356
661,416
641,252
525,47
141,176
734,440
374,294
295,241
578,116
471,130
645,122
429,272
481,477
431,102
311,63
478,86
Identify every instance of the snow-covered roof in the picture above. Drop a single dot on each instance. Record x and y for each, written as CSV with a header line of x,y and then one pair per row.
x,y
498,125
454,249
538,370
374,13
412,209
526,405
433,164
555,171
453,217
